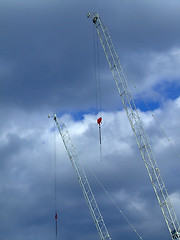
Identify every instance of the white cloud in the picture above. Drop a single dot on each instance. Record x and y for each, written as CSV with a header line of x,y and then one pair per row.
x,y
175,200
164,66
30,169
50,47
150,72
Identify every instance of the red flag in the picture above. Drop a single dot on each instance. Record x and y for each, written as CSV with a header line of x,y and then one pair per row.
x,y
56,216
99,120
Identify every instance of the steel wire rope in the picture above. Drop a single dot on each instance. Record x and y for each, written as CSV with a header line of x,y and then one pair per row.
x,y
55,179
98,109
153,115
97,71
157,121
97,82
99,76
112,200
162,130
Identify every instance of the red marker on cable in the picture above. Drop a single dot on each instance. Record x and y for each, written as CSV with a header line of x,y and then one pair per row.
x,y
99,122
56,223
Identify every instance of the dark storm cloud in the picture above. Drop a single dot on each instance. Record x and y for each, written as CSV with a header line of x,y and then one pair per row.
x,y
50,47
12,147
48,56
46,64
142,32
138,26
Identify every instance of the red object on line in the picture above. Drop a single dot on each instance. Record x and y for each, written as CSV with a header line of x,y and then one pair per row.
x,y
56,216
99,120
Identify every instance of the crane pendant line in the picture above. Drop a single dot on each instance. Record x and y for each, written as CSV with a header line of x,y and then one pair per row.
x,y
83,181
56,224
99,122
55,184
137,127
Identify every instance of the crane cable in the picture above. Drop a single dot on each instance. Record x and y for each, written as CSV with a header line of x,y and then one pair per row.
x,y
154,117
55,181
98,109
158,123
97,71
97,85
162,130
115,204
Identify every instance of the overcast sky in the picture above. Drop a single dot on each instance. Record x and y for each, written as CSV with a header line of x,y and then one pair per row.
x,y
48,64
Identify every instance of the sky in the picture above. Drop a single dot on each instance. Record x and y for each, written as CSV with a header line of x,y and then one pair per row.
x,y
50,61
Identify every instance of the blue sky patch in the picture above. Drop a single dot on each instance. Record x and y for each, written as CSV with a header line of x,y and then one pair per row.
x,y
168,90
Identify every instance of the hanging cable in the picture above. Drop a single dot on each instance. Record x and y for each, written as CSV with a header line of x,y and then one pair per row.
x,y
55,181
162,130
97,84
154,117
97,76
95,72
157,122
99,122
115,204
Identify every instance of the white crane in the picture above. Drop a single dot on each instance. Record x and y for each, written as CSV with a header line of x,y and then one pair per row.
x,y
83,181
137,127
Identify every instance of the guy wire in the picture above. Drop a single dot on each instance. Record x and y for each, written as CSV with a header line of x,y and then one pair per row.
x,y
115,204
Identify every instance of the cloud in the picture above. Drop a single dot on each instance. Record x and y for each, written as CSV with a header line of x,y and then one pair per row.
x,y
47,65
50,47
175,199
27,180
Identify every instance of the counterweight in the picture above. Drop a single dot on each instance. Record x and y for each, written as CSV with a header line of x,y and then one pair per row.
x,y
83,181
137,127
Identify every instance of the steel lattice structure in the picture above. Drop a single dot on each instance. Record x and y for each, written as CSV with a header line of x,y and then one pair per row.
x,y
83,181
137,127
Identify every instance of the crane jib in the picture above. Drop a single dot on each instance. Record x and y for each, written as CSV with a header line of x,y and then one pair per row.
x,y
137,127
83,181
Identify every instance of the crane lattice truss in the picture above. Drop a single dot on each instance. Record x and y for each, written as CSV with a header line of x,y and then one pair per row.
x,y
137,127
83,181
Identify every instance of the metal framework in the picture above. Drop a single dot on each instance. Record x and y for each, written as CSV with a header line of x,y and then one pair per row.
x,y
83,181
137,127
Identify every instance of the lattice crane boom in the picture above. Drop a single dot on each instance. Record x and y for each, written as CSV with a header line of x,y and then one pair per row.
x,y
83,181
137,127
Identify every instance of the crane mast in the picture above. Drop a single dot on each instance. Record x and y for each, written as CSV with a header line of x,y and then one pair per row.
x,y
83,181
137,127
